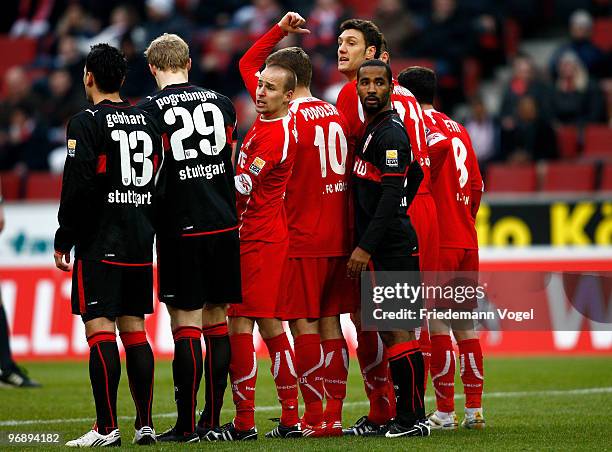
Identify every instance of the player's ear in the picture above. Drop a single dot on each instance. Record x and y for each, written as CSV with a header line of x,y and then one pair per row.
x,y
189,65
289,95
89,79
153,70
370,52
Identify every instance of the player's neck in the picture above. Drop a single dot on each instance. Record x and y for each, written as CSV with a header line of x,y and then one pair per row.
x,y
277,114
427,107
171,78
301,92
350,76
98,97
373,117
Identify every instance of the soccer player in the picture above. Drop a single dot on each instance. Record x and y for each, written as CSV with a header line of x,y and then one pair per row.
x,y
359,41
263,170
106,212
457,189
10,373
386,179
198,245
317,289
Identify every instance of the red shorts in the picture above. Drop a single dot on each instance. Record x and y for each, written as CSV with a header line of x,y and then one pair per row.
x,y
261,265
458,260
424,219
316,287
453,260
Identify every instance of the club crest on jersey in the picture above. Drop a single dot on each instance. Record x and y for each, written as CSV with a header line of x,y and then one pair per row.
x,y
257,166
392,157
71,147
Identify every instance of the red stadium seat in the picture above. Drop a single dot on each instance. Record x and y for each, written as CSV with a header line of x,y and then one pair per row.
x,y
606,177
569,177
511,178
602,33
16,52
43,186
567,139
598,142
11,185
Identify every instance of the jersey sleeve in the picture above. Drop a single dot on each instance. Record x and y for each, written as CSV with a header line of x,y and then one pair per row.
x,y
438,146
476,181
254,58
78,181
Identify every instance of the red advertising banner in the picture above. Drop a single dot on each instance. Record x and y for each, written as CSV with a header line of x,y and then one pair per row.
x,y
37,301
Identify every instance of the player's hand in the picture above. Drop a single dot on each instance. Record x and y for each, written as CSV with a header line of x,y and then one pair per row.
x,y
292,23
357,263
62,260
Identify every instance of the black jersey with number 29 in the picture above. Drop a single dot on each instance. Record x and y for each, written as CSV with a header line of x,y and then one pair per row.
x,y
199,130
109,186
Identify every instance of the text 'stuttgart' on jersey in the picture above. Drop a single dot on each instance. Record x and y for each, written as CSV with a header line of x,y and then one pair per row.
x,y
408,109
263,169
199,132
109,188
456,180
386,179
317,193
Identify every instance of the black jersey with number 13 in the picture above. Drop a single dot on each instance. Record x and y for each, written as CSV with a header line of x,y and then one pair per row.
x,y
199,129
109,185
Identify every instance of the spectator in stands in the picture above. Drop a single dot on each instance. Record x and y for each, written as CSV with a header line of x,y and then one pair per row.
x,y
257,17
576,98
581,29
323,24
28,145
484,132
33,20
139,81
59,103
123,18
161,18
524,82
397,24
533,138
70,58
77,22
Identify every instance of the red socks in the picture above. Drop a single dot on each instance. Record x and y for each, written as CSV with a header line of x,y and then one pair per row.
x,y
243,375
309,365
443,372
375,371
335,376
471,369
285,377
425,345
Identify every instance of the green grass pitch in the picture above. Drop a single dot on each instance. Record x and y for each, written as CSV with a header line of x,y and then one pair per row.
x,y
556,403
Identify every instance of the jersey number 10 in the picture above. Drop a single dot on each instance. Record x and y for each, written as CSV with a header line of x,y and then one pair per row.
x,y
335,133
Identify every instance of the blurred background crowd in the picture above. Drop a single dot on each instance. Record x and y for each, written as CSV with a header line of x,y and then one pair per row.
x,y
532,80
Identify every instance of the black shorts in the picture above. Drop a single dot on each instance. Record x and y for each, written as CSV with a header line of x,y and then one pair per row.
x,y
111,291
199,270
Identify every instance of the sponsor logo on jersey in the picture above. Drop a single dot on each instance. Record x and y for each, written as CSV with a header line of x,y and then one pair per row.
x,y
392,157
434,138
257,166
71,147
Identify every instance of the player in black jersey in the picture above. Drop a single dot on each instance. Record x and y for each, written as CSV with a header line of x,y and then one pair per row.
x,y
106,212
386,178
198,244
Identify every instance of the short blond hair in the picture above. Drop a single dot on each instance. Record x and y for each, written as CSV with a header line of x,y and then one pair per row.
x,y
168,52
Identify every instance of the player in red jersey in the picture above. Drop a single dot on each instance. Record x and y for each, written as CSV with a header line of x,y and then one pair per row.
x,y
457,189
262,172
359,41
319,237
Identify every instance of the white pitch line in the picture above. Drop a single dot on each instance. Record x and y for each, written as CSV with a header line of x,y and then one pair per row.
x,y
490,395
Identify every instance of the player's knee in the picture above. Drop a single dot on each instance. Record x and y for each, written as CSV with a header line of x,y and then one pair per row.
x,y
391,338
130,324
99,324
212,314
180,318
330,328
269,328
464,334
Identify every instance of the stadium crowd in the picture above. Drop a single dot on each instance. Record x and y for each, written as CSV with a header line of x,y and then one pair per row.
x,y
465,42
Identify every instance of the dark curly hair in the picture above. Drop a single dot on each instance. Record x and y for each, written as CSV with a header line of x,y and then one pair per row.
x,y
108,66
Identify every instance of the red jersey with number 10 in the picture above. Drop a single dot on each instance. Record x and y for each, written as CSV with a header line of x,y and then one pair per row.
x,y
408,109
455,177
317,194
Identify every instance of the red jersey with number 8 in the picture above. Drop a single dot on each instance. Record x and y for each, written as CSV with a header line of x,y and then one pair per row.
x,y
455,178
